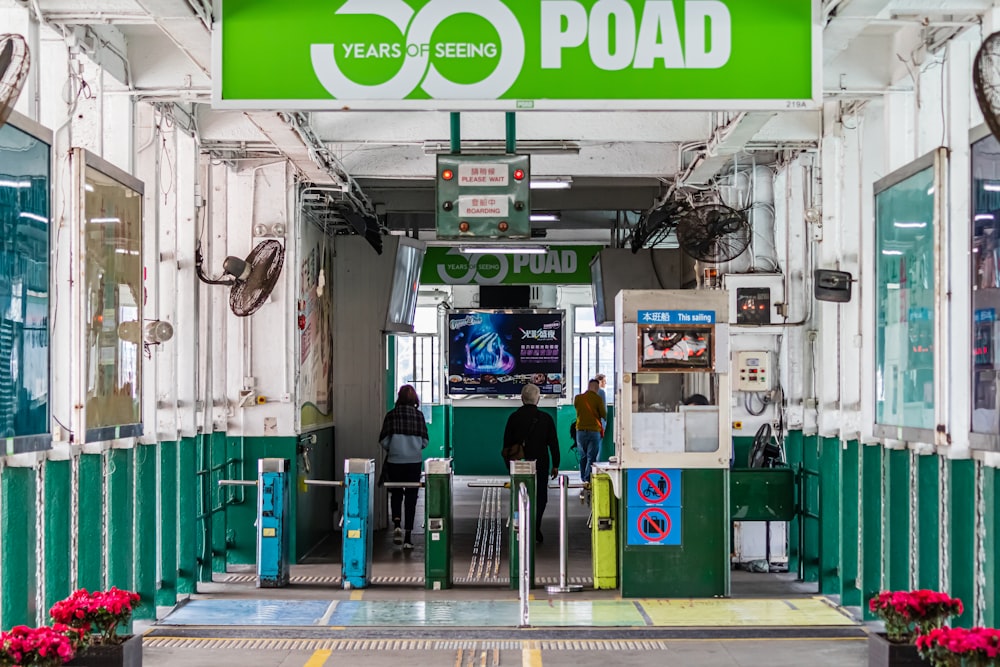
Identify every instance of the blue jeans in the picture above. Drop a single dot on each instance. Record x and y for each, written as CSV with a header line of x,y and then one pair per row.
x,y
588,443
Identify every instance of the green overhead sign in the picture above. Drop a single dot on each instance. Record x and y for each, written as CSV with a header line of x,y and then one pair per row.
x,y
561,265
518,54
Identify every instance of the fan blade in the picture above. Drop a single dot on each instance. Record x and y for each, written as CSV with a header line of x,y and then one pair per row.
x,y
265,262
15,60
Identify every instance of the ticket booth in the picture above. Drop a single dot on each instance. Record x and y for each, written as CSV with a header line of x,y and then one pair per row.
x,y
672,442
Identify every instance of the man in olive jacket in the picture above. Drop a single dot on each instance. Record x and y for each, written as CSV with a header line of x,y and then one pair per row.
x,y
537,431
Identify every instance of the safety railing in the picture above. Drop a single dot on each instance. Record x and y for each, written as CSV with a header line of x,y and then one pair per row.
x,y
524,551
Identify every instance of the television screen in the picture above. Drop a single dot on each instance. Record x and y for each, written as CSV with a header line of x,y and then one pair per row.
x,y
662,347
504,296
497,353
405,284
597,287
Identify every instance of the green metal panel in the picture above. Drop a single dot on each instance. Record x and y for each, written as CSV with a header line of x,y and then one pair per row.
x,y
166,588
830,495
871,524
699,567
58,522
928,522
810,510
604,532
991,492
793,454
437,434
217,455
120,556
146,528
897,519
18,508
90,544
963,536
762,494
741,451
850,523
315,506
438,521
188,526
529,481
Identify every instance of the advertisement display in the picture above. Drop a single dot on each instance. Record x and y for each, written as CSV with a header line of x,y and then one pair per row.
x,y
496,353
508,55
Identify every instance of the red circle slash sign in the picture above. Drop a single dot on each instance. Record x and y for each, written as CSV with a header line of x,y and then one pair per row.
x,y
654,486
654,524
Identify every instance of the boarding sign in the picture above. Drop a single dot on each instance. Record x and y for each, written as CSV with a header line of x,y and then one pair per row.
x,y
508,55
676,317
654,487
654,526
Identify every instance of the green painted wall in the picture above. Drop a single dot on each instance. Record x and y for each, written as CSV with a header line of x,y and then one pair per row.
x,y
962,515
17,521
316,506
871,524
830,494
166,588
991,495
145,530
477,435
121,532
928,522
896,523
57,531
850,525
90,546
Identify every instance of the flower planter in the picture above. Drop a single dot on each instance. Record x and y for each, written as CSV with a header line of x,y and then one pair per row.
x,y
126,654
883,653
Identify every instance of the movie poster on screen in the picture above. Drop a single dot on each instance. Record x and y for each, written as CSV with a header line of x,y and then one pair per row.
x,y
497,353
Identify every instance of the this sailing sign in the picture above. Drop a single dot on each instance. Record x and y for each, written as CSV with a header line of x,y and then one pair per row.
x,y
676,317
654,487
654,526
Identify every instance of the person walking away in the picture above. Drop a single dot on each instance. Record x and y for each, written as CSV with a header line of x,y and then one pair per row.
x,y
590,412
602,382
537,431
404,437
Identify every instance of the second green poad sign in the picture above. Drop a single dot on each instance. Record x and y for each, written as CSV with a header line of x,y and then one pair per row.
x,y
518,54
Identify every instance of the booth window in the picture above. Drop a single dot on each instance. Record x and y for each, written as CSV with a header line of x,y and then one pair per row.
x,y
24,290
985,284
905,217
418,356
594,348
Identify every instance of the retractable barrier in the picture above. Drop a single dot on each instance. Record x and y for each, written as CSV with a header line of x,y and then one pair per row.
x,y
359,498
564,586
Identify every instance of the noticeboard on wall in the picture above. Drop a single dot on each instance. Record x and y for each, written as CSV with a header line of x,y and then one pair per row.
x,y
496,353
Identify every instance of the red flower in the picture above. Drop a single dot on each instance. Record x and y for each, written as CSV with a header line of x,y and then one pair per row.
x,y
907,613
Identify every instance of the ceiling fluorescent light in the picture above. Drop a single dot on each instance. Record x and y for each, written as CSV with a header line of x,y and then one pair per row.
x,y
503,249
549,183
544,217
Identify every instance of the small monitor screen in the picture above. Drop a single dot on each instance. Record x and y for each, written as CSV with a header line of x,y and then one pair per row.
x,y
405,285
665,347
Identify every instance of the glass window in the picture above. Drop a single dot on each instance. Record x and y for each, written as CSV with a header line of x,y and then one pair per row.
x,y
24,286
985,283
595,352
904,270
417,363
113,301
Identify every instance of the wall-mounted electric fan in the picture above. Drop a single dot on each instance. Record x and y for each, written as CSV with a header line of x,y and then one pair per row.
x,y
252,279
713,233
986,81
14,63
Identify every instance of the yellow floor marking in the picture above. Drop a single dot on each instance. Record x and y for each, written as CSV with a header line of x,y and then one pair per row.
x,y
318,658
743,612
356,594
531,657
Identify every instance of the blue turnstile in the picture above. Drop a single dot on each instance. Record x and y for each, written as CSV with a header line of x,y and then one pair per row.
x,y
359,483
272,523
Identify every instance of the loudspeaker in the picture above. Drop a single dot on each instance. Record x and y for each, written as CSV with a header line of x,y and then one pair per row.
x,y
832,285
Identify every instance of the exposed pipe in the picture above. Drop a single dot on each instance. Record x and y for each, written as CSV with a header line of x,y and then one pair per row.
x,y
456,133
511,133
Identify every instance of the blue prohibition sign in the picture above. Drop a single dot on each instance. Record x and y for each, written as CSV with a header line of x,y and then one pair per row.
x,y
654,486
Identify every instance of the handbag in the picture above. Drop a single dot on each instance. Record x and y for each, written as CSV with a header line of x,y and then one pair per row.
x,y
515,451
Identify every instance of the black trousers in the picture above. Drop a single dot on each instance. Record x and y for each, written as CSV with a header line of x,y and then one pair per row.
x,y
541,495
403,472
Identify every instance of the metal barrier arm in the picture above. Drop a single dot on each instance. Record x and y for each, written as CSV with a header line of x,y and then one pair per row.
x,y
403,485
322,482
237,482
563,586
524,549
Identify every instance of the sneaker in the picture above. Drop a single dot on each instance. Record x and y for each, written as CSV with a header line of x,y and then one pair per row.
x,y
397,535
538,537
407,545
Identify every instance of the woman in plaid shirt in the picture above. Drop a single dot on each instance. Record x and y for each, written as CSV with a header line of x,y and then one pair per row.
x,y
404,437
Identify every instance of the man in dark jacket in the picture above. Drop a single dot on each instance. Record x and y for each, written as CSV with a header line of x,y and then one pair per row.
x,y
537,431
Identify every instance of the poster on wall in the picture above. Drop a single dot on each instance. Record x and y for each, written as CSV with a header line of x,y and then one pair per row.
x,y
495,353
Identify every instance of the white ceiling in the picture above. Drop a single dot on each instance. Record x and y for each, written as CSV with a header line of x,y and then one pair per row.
x,y
622,158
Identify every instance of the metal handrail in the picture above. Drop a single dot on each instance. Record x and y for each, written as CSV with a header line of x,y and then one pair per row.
x,y
524,550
